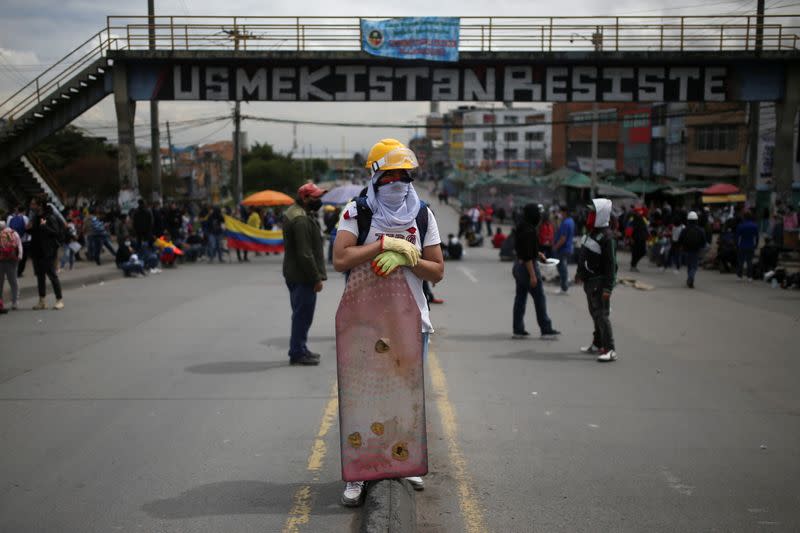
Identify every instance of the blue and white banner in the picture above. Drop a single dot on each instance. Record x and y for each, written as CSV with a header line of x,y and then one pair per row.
x,y
431,38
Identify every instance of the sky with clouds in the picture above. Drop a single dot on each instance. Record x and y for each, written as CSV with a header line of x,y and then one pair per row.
x,y
36,33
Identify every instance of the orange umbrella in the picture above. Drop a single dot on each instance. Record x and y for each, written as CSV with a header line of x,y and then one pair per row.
x,y
269,198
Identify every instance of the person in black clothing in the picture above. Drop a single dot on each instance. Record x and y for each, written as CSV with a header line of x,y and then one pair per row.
x,y
639,238
768,257
159,225
692,241
173,222
143,225
597,269
45,230
527,276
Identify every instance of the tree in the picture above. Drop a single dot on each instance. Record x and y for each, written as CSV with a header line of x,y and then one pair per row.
x,y
263,168
90,176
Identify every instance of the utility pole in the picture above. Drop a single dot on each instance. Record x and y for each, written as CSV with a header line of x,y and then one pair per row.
x,y
171,152
754,119
155,141
530,153
237,153
597,40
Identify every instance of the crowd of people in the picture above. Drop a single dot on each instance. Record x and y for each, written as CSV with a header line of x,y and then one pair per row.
x,y
729,238
140,242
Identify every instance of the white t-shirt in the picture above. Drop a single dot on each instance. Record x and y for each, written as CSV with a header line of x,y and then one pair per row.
x,y
410,234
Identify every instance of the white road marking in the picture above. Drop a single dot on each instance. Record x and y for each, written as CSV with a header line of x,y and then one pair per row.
x,y
470,275
676,484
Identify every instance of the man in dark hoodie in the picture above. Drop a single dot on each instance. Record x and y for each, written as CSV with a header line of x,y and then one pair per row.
x,y
597,269
303,268
527,276
692,241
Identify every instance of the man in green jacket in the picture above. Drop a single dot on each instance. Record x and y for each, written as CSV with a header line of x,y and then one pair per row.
x,y
303,268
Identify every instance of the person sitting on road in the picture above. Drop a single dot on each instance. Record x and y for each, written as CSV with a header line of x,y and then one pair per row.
x,y
128,261
474,239
499,238
454,249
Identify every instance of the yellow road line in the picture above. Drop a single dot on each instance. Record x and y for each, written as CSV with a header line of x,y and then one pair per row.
x,y
300,513
468,501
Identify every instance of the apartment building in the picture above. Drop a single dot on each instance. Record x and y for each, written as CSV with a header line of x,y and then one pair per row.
x,y
623,138
506,138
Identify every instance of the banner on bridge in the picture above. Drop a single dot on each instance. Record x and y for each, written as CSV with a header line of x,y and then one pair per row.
x,y
260,80
431,38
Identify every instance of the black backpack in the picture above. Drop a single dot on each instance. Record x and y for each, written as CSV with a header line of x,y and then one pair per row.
x,y
694,239
364,219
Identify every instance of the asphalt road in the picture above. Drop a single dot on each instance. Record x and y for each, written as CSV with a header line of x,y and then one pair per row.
x,y
166,404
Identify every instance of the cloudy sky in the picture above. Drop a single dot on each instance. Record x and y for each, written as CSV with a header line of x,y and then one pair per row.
x,y
36,33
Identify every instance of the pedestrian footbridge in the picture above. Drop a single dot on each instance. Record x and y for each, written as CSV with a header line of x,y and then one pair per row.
x,y
611,59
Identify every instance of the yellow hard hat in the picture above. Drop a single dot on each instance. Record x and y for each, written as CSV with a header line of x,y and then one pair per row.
x,y
389,154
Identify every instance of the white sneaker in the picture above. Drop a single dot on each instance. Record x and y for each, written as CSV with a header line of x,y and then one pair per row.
x,y
353,490
417,482
606,356
590,349
561,292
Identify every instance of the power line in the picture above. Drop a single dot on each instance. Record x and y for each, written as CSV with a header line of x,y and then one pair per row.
x,y
574,122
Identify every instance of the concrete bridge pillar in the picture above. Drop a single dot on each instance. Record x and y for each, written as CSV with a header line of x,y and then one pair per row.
x,y
126,111
785,115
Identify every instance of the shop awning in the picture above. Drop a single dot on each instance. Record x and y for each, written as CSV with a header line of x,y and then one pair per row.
x,y
724,199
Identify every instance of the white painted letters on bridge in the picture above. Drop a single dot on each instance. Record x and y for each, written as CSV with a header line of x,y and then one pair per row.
x,y
519,79
217,83
584,84
411,75
256,85
380,84
283,84
194,88
474,90
616,75
350,94
445,84
683,74
651,84
307,81
557,84
714,86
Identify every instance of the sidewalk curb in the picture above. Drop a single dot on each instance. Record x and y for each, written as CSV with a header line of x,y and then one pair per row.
x,y
31,291
389,507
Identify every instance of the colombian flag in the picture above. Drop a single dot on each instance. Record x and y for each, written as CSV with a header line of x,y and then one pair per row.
x,y
243,237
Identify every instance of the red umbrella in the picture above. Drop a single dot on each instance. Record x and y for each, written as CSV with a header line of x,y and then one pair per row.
x,y
721,188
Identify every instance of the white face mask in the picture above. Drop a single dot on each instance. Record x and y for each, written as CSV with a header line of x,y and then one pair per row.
x,y
393,195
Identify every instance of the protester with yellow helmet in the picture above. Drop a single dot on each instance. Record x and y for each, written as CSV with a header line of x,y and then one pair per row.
x,y
392,228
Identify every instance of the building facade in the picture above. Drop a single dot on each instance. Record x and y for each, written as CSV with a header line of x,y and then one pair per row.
x,y
515,139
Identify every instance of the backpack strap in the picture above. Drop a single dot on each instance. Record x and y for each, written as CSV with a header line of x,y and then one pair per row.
x,y
363,217
422,222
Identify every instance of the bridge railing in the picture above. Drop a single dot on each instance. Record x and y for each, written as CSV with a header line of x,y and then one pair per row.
x,y
57,75
481,34
478,34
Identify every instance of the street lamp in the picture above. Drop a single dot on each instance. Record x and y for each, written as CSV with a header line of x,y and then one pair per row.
x,y
597,42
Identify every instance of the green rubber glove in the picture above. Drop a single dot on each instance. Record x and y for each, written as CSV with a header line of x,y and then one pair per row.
x,y
386,262
401,246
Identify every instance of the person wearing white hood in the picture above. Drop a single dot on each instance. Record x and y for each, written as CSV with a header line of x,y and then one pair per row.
x,y
391,227
597,269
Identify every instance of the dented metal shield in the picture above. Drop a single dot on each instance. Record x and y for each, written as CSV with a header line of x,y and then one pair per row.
x,y
381,384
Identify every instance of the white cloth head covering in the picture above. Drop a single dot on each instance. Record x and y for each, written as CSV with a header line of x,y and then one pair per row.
x,y
394,206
